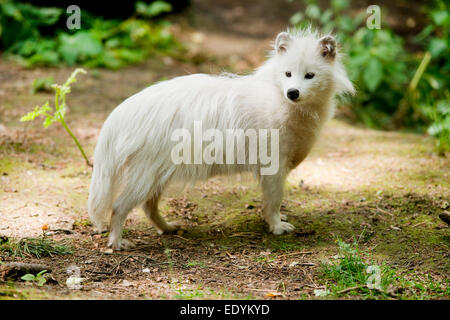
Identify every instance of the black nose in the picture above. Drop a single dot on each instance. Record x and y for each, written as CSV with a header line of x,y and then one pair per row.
x,y
293,94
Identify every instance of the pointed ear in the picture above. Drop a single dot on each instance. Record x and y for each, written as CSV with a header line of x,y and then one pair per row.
x,y
282,42
327,47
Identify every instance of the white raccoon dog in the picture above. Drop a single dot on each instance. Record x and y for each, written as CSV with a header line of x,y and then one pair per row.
x,y
293,92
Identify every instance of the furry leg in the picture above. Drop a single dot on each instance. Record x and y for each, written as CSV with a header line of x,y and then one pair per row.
x,y
115,234
272,187
151,211
121,208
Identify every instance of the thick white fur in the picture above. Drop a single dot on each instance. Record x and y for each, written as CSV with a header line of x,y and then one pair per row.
x,y
132,162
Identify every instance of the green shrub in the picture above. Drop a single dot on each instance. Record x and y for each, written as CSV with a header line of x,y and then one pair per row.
x,y
431,102
100,43
395,88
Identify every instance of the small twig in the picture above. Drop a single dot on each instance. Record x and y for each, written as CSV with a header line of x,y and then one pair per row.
x,y
313,286
310,278
256,289
118,265
244,234
311,264
182,238
384,211
418,224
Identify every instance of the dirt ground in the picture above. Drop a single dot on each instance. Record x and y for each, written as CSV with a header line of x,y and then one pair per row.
x,y
385,189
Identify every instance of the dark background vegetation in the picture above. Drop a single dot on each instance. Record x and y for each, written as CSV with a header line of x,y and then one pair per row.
x,y
393,92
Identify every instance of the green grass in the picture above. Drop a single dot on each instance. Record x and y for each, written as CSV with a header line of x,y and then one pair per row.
x,y
195,263
355,273
208,293
82,223
37,247
189,294
286,243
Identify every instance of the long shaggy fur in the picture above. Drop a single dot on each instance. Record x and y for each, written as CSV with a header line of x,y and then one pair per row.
x,y
132,161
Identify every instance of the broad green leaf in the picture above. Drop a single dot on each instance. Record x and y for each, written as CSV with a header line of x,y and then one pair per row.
x,y
326,16
296,18
28,277
41,273
153,9
41,281
339,5
10,9
439,16
443,106
437,46
79,47
39,15
313,11
373,74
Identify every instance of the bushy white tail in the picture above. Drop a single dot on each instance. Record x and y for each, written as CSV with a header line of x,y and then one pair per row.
x,y
100,197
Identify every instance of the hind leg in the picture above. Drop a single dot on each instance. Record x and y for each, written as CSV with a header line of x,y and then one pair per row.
x,y
115,232
151,211
121,208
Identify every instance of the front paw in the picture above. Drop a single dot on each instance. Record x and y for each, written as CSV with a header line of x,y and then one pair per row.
x,y
123,244
281,228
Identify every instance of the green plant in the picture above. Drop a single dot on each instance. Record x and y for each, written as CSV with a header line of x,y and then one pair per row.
x,y
195,263
36,247
430,102
354,273
21,21
39,279
31,36
59,112
189,294
395,88
42,84
376,60
153,9
349,271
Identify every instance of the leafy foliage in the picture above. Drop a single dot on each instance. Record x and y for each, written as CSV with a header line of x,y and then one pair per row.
x,y
153,9
25,36
432,98
39,278
42,84
351,274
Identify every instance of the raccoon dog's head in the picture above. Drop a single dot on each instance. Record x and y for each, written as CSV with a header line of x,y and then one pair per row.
x,y
308,66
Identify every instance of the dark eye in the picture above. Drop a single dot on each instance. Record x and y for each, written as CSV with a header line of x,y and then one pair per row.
x,y
309,75
288,74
